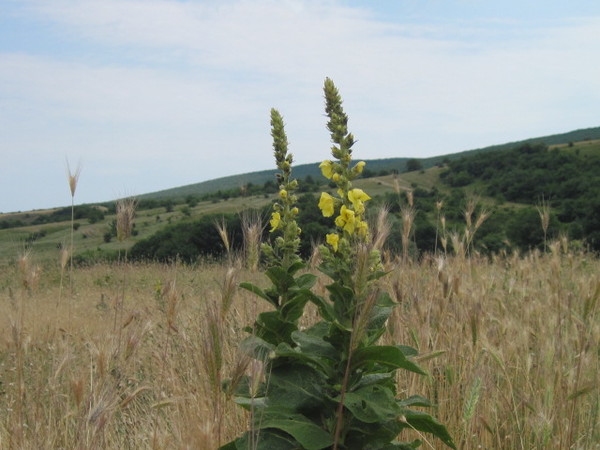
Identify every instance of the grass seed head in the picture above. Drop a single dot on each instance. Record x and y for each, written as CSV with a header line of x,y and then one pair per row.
x,y
73,177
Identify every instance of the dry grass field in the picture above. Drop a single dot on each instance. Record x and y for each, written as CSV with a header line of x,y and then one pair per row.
x,y
132,356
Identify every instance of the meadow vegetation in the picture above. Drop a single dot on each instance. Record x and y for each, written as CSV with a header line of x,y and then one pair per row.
x,y
142,349
510,345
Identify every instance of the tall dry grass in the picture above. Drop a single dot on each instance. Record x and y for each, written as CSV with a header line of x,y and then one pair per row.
x,y
511,345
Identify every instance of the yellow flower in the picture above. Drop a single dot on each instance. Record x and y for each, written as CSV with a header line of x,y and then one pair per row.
x,y
333,239
358,197
358,168
295,211
326,204
327,169
283,193
275,221
346,220
362,228
336,177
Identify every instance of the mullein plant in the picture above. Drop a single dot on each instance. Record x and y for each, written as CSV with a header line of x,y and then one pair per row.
x,y
329,386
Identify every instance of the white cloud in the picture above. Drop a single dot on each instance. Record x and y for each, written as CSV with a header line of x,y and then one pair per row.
x,y
187,86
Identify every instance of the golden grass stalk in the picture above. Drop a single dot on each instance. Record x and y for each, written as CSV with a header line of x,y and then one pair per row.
x,y
125,209
224,235
543,209
73,179
408,214
381,227
252,228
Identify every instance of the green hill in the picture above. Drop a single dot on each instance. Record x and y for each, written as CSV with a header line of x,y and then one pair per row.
x,y
508,180
375,166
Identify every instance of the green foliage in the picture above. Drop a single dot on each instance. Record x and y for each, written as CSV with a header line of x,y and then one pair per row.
x,y
331,385
413,165
529,173
188,241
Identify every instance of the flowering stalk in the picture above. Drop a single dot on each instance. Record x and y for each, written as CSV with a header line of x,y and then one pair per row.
x,y
330,385
348,205
284,251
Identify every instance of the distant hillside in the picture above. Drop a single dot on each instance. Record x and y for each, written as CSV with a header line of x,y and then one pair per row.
x,y
374,165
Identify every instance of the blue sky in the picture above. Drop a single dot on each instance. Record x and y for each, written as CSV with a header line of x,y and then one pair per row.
x,y
153,94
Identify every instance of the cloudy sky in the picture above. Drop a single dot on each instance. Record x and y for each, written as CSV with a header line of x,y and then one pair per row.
x,y
153,94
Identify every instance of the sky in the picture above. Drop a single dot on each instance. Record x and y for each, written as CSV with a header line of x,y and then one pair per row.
x,y
146,95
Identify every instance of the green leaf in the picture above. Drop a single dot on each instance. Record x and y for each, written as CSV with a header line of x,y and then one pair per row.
x,y
295,386
415,400
315,345
386,355
280,278
265,440
409,352
323,365
325,308
308,434
271,327
369,379
267,295
306,281
295,267
372,404
396,446
377,275
257,348
293,308
229,446
258,291
424,422
250,403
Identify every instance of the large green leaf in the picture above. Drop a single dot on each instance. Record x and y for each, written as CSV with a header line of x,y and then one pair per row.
x,y
264,440
306,281
293,308
272,299
295,267
295,386
271,327
424,422
372,378
325,308
280,278
315,361
385,355
343,299
308,434
415,400
314,344
372,404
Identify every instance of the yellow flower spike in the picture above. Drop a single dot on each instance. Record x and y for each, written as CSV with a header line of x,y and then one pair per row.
x,y
333,239
327,169
275,221
326,204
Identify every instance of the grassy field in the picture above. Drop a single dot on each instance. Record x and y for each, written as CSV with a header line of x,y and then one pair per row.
x,y
131,356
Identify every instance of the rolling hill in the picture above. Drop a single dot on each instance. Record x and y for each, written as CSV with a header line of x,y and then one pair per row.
x,y
374,165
